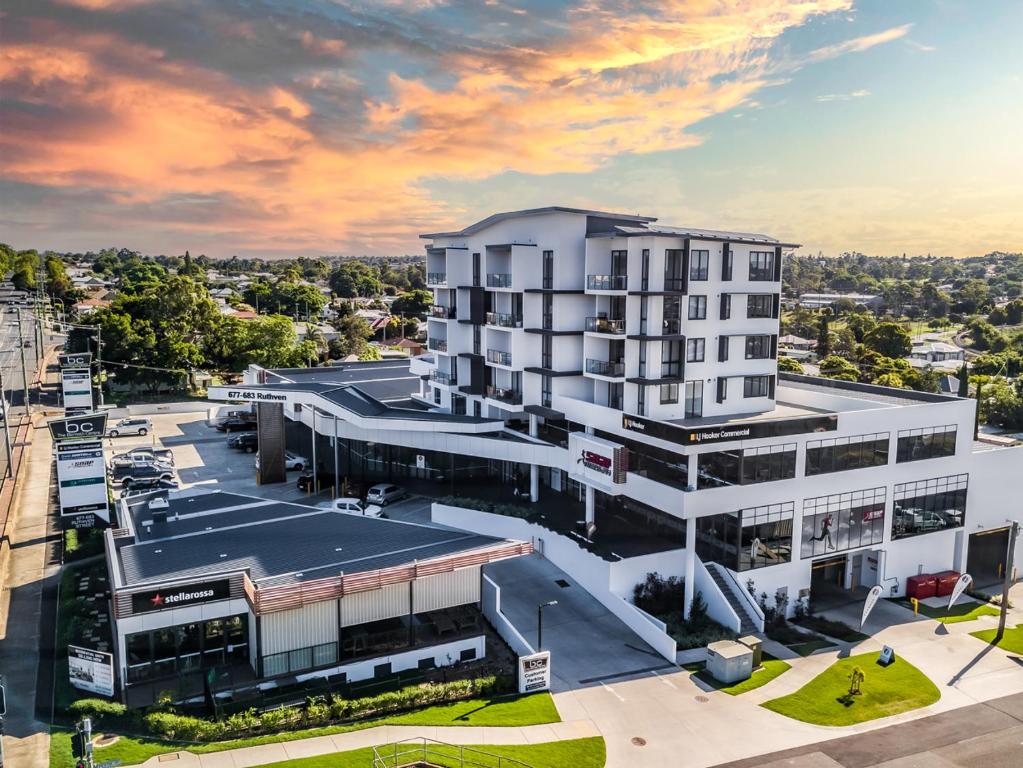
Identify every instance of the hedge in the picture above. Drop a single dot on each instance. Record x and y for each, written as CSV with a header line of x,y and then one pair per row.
x,y
318,711
97,709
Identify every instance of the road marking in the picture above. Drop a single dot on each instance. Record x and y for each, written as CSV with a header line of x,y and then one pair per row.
x,y
611,691
663,679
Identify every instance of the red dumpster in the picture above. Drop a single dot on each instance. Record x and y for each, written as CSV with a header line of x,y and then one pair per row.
x,y
923,586
946,582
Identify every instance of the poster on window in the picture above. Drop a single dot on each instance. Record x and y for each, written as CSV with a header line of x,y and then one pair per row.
x,y
843,521
535,672
90,670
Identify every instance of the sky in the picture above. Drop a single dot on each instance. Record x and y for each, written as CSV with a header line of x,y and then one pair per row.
x,y
326,127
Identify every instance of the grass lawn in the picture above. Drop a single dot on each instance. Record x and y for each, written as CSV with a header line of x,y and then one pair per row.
x,y
805,649
507,711
768,670
887,691
964,611
1011,641
575,753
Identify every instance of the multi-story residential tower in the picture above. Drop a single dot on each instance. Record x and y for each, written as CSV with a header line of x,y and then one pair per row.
x,y
609,309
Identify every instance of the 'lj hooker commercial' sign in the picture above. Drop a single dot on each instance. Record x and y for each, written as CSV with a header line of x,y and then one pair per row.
x,y
723,433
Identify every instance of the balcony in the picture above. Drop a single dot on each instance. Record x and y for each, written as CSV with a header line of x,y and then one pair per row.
x,y
505,395
448,379
607,282
499,357
504,319
605,368
614,325
437,278
443,313
499,280
437,345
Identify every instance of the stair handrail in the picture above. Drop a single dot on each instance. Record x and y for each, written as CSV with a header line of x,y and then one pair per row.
x,y
743,594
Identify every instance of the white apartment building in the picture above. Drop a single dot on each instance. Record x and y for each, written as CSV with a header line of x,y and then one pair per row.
x,y
619,377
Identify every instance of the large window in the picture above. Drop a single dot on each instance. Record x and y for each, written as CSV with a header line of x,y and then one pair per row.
x,y
926,443
194,645
669,394
748,539
929,505
841,453
746,467
697,307
671,315
758,347
695,349
761,265
699,265
759,305
694,399
842,521
653,462
757,386
671,358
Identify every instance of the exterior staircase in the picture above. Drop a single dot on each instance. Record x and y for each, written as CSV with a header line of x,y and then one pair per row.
x,y
727,585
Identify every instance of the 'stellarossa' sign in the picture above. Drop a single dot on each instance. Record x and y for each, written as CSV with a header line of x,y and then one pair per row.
x,y
180,595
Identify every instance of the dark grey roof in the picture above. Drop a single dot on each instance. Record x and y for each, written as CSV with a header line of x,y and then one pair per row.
x,y
285,542
498,217
873,392
383,379
663,230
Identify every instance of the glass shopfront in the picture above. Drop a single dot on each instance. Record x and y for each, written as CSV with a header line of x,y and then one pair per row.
x,y
746,467
751,538
843,521
931,505
197,645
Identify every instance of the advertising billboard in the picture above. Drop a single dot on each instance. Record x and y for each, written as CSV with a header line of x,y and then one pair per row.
x,y
75,360
76,385
82,483
91,670
598,462
87,426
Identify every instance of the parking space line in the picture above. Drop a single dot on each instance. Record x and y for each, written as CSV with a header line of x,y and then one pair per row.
x,y
611,690
664,680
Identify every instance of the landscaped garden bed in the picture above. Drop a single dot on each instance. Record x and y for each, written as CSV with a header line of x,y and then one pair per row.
x,y
769,669
836,629
967,610
884,691
663,598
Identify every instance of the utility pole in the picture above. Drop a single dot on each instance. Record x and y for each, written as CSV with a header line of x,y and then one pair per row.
x,y
7,425
99,361
24,371
1007,580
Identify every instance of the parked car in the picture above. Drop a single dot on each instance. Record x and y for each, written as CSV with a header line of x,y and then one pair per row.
x,y
133,426
130,472
147,484
291,461
384,494
235,425
244,441
164,455
305,481
352,507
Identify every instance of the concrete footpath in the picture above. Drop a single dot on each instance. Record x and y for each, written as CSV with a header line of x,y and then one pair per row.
x,y
370,737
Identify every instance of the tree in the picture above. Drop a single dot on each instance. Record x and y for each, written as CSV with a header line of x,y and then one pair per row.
x,y
856,678
890,380
889,339
823,337
860,324
835,367
355,335
789,365
964,381
413,303
354,278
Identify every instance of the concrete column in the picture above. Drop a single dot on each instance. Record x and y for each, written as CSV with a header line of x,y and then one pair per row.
x,y
534,425
422,387
534,483
690,580
691,469
591,512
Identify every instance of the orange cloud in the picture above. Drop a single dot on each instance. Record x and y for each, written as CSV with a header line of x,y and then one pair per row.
x,y
263,166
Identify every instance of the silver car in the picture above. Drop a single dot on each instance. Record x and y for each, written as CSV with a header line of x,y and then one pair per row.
x,y
384,493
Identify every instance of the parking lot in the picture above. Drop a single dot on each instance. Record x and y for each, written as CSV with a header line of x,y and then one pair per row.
x,y
203,459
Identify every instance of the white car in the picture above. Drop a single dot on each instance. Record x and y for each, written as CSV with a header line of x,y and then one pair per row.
x,y
141,427
351,507
291,461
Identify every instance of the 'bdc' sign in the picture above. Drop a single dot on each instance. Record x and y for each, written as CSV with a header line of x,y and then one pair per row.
x,y
87,425
535,672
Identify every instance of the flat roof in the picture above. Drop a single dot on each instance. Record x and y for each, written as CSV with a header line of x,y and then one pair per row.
x,y
382,379
217,533
871,392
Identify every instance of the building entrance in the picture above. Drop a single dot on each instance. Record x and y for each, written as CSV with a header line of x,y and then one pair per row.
x,y
985,558
827,581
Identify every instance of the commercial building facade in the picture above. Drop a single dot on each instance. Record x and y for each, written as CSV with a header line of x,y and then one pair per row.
x,y
628,372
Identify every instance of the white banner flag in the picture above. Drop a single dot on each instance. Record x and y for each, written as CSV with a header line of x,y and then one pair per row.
x,y
961,586
872,597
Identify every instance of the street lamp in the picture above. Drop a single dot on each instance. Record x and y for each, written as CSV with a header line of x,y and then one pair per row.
x,y
539,622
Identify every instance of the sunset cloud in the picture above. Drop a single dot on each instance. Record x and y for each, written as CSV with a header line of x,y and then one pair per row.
x,y
295,128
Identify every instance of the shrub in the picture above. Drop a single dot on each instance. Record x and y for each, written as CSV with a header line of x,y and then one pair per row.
x,y
659,596
98,709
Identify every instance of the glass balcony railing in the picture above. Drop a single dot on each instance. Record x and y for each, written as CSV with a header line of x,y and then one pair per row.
x,y
607,282
437,345
498,280
605,368
450,379
504,319
505,395
437,278
614,325
443,313
499,357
